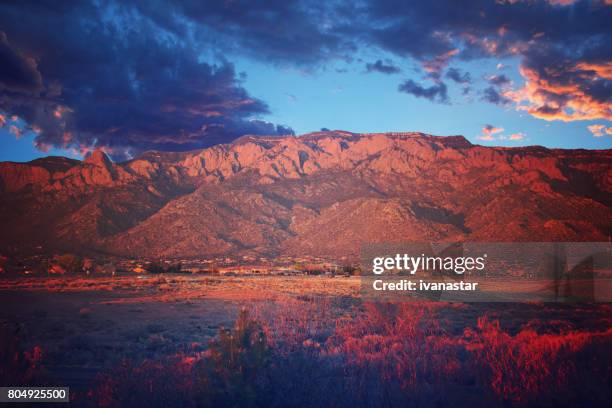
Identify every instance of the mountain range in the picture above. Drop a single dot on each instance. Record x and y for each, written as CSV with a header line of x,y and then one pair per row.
x,y
322,194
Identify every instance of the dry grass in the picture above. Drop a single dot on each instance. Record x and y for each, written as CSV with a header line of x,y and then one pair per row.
x,y
151,340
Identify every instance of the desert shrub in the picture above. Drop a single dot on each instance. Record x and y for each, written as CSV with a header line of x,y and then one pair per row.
x,y
531,368
234,367
399,352
301,373
380,354
18,366
307,320
152,383
591,379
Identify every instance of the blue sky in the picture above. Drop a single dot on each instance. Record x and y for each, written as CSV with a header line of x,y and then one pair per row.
x,y
193,75
369,102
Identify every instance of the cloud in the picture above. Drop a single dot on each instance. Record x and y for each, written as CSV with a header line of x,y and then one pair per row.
x,y
457,76
562,45
580,92
564,50
110,78
492,95
495,92
435,93
562,2
386,67
489,131
19,72
552,2
133,75
293,32
599,130
516,136
436,65
16,131
498,80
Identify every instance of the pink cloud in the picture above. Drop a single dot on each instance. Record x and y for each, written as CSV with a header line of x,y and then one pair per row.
x,y
16,131
599,130
562,2
553,98
516,136
436,65
489,131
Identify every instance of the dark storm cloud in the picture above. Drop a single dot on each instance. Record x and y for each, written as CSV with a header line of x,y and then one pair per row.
x,y
294,32
111,78
386,67
435,93
563,45
19,73
434,33
134,75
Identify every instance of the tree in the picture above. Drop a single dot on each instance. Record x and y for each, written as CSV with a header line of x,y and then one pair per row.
x,y
176,268
154,267
70,263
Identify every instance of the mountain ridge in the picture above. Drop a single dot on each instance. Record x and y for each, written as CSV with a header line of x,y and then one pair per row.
x,y
307,195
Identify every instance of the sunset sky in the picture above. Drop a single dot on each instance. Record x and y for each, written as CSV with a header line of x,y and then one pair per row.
x,y
130,76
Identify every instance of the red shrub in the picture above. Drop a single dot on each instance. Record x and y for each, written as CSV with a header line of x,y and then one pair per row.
x,y
528,366
403,342
160,383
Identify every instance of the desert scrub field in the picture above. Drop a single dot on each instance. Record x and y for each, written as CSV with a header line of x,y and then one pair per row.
x,y
317,346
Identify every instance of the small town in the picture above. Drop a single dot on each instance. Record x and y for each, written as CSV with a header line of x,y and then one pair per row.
x,y
71,264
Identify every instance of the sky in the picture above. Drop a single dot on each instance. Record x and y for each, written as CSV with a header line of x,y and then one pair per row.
x,y
172,75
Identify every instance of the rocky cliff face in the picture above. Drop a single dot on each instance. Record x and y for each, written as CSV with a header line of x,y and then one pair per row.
x,y
320,194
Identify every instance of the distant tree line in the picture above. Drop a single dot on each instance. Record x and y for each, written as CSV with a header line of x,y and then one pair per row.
x,y
159,267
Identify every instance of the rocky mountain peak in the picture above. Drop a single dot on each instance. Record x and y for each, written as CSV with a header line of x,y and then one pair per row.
x,y
98,158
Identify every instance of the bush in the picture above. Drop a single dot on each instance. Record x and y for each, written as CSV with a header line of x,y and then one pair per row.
x,y
232,372
400,352
531,368
152,383
381,354
158,267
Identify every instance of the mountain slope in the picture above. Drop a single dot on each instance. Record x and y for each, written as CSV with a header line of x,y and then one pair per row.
x,y
324,193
